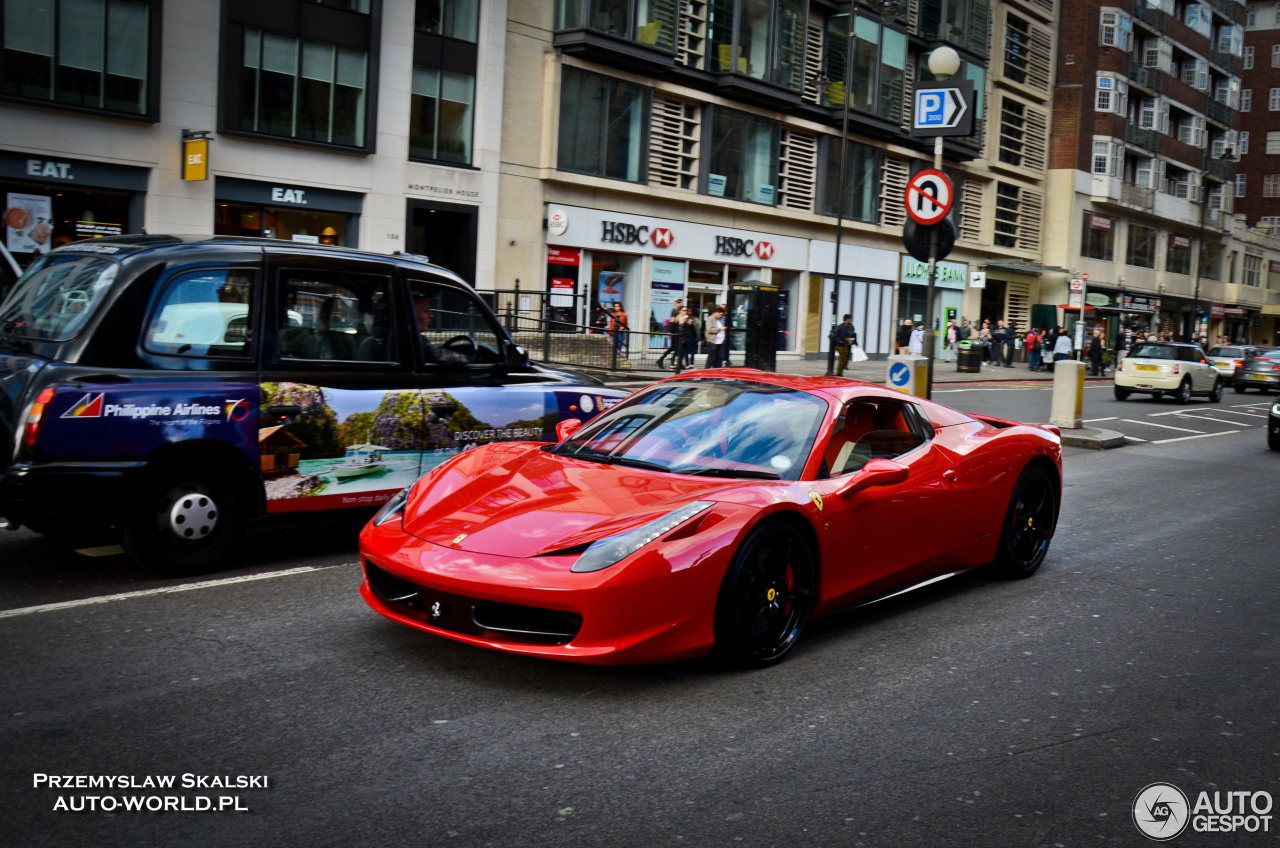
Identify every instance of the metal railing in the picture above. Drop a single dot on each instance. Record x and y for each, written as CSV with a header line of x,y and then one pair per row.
x,y
1216,111
1146,139
556,342
1143,198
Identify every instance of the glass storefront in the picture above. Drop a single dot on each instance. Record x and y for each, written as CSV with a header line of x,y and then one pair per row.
x,y
242,219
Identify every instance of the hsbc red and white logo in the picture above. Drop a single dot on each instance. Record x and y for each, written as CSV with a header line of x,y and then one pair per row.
x,y
619,233
764,249
662,237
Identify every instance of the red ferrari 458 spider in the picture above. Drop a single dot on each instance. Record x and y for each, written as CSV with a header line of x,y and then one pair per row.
x,y
714,511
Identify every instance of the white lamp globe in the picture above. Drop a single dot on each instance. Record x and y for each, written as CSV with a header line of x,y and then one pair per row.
x,y
944,62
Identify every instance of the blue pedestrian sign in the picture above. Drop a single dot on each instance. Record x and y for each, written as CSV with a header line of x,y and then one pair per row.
x,y
944,109
899,375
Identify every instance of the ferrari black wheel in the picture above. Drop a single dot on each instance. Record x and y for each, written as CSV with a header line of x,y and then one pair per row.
x,y
766,597
1028,525
185,523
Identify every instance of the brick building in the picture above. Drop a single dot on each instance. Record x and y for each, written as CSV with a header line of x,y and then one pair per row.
x,y
1257,186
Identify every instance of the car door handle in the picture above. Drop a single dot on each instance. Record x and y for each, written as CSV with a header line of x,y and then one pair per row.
x,y
284,414
949,475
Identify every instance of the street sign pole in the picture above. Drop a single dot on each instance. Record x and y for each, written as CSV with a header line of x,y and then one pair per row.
x,y
929,340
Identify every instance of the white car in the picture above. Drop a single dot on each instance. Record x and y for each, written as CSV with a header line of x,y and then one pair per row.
x,y
1227,358
1168,368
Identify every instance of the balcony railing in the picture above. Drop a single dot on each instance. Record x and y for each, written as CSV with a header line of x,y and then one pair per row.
x,y
1220,169
1223,60
1223,7
1153,18
1219,112
1146,139
1143,198
1149,78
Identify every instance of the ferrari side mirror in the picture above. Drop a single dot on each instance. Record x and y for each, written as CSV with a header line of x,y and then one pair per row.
x,y
877,472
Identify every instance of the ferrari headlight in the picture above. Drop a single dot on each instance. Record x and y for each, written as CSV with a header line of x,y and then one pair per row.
x,y
606,552
393,508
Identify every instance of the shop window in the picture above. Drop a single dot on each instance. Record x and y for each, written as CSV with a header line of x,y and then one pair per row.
x,y
648,22
1098,238
448,18
440,118
327,317
743,159
302,89
204,313
768,42
604,126
1142,246
861,192
93,54
313,227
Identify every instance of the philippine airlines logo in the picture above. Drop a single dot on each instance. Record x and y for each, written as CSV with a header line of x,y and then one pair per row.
x,y
237,410
662,237
1161,812
87,407
764,249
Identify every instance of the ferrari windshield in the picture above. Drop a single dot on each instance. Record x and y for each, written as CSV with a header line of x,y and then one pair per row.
x,y
56,296
709,427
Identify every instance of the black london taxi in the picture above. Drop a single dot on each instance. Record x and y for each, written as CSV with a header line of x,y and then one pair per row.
x,y
182,388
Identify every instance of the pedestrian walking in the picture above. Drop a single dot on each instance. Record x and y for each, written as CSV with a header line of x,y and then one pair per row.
x,y
844,336
1032,341
949,341
674,334
915,345
984,335
904,336
618,326
1095,353
714,332
1062,347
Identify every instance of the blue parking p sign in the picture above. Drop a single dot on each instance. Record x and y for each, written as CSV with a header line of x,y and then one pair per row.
x,y
944,109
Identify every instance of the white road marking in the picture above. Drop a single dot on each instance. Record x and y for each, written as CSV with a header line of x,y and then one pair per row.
x,y
1096,420
1164,426
166,590
1249,414
1216,420
1201,436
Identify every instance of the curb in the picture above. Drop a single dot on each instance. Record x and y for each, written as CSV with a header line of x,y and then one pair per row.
x,y
1091,439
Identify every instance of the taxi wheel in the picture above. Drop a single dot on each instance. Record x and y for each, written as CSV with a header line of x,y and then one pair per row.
x,y
1121,394
1238,389
185,523
1184,393
1028,525
1216,395
766,597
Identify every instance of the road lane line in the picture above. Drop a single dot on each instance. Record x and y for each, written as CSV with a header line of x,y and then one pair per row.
x,y
1201,436
166,590
1096,420
1164,426
1216,420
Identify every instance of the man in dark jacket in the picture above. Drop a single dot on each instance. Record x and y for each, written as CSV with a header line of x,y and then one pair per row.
x,y
844,335
1095,353
904,336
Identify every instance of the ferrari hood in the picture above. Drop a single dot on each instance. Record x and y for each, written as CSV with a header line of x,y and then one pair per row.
x,y
516,500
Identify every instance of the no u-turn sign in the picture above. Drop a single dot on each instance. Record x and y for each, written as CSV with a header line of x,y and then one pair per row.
x,y
929,197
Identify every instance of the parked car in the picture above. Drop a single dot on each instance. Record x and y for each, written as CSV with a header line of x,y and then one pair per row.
x,y
1261,372
719,510
1225,359
179,389
1176,369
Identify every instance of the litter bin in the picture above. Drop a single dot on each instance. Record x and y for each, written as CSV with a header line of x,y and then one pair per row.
x,y
969,357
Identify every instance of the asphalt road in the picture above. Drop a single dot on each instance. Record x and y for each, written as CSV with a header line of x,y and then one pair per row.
x,y
973,712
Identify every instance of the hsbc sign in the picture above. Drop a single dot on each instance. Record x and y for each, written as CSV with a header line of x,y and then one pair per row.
x,y
617,232
731,246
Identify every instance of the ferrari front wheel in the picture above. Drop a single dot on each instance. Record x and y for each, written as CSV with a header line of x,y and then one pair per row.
x,y
766,596
1028,525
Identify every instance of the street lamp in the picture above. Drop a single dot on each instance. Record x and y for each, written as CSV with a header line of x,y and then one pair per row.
x,y
1228,155
840,187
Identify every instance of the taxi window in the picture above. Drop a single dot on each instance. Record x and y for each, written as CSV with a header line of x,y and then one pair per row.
x,y
452,326
204,313
1189,354
330,317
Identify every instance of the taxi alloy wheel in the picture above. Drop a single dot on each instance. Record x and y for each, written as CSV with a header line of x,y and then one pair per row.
x,y
766,597
1028,525
1184,392
185,523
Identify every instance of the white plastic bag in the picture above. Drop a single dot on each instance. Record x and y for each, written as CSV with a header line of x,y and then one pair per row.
x,y
857,354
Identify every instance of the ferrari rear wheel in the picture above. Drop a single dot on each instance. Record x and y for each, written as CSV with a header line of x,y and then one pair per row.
x,y
1028,525
766,596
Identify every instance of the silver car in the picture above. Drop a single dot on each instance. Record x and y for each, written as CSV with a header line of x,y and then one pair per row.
x,y
1227,358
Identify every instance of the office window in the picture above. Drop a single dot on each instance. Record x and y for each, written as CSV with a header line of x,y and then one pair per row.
x,y
449,18
1275,55
1017,47
1273,100
604,126
1177,258
94,54
743,160
1098,239
1248,57
440,116
1252,270
1243,141
650,22
1246,99
300,89
1271,185
964,23
1142,246
1273,142
879,66
1242,180
863,164
768,42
